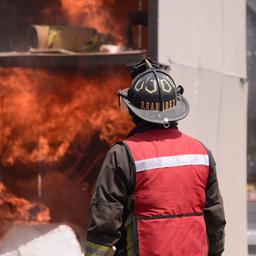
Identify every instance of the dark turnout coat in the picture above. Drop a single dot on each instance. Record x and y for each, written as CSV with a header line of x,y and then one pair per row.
x,y
157,194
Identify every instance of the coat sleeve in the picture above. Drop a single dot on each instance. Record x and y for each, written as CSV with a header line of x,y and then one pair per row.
x,y
109,202
214,212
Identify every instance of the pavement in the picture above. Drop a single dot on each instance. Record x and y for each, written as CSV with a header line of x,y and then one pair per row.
x,y
251,217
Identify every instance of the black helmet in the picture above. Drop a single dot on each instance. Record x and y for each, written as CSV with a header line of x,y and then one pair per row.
x,y
153,95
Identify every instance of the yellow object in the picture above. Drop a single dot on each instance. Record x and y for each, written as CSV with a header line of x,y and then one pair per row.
x,y
93,249
53,33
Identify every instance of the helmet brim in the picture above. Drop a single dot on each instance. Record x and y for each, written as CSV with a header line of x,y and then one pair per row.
x,y
177,113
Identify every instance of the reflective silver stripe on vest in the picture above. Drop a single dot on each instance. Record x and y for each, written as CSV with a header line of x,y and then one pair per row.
x,y
171,161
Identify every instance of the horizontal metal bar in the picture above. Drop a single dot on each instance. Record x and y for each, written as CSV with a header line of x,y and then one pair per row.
x,y
52,59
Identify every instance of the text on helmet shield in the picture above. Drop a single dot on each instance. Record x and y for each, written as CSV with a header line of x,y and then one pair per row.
x,y
156,105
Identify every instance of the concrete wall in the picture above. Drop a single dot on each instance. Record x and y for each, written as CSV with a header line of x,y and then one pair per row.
x,y
204,43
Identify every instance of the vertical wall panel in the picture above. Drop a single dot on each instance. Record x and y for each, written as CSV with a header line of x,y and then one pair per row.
x,y
234,31
232,160
204,43
191,33
203,90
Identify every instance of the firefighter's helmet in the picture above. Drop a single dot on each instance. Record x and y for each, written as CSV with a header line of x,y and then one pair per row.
x,y
153,95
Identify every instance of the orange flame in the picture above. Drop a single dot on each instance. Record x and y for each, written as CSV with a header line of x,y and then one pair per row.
x,y
20,209
41,112
107,16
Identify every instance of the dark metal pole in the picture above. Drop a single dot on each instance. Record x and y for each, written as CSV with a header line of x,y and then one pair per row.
x,y
153,30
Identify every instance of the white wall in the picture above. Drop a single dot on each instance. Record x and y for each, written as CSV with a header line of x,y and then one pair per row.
x,y
204,43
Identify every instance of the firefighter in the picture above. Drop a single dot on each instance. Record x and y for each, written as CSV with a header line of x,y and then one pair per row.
x,y
157,192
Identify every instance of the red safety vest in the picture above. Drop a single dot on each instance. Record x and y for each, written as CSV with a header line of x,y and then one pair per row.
x,y
169,198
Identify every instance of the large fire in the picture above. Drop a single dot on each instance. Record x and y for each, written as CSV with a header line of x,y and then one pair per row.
x,y
59,124
41,112
56,125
